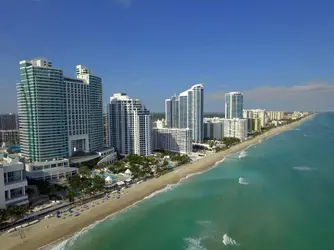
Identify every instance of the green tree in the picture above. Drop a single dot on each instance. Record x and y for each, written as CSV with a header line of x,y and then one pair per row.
x,y
16,212
84,171
70,195
3,215
74,182
98,183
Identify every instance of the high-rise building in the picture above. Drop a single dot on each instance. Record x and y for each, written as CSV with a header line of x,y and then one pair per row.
x,y
255,114
214,128
275,115
9,137
172,112
233,105
58,115
129,125
254,124
178,140
95,103
191,109
8,121
236,128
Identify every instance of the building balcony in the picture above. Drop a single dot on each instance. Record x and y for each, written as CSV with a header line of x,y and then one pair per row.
x,y
18,200
16,184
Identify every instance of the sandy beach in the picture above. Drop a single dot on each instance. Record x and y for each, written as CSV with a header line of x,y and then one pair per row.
x,y
56,230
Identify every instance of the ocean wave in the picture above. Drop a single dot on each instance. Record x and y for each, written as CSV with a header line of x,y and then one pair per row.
x,y
204,222
242,154
169,187
70,241
303,168
195,243
243,181
228,241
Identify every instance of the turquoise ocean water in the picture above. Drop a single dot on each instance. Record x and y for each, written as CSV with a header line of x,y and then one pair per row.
x,y
286,202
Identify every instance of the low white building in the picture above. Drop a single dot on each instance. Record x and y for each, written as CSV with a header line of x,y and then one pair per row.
x,y
50,170
236,128
178,140
13,183
159,123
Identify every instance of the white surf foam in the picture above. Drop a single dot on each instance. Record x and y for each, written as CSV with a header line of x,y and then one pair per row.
x,y
303,168
204,222
228,241
243,181
242,154
70,241
195,243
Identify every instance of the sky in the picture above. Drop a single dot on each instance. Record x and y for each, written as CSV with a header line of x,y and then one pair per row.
x,y
278,53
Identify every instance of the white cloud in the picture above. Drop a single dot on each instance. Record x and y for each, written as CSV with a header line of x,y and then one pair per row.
x,y
314,96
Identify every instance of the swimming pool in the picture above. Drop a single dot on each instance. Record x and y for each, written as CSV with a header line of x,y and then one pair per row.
x,y
106,175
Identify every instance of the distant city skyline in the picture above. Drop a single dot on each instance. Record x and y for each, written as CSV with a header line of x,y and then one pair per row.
x,y
277,63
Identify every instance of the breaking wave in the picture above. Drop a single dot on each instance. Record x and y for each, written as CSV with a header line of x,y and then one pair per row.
x,y
204,222
303,168
242,154
243,181
228,241
195,243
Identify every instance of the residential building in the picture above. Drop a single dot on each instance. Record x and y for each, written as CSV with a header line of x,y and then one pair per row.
x,y
214,128
233,105
42,111
8,121
191,111
256,114
178,140
9,137
129,125
275,115
236,128
172,112
95,102
254,124
58,115
13,183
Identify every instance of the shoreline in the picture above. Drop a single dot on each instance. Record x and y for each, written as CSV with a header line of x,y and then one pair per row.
x,y
50,232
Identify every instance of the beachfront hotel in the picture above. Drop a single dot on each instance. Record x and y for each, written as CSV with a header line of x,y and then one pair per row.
x,y
187,111
13,182
58,115
177,140
129,125
236,128
234,102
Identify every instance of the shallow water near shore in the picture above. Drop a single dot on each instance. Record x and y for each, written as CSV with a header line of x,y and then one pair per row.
x,y
284,200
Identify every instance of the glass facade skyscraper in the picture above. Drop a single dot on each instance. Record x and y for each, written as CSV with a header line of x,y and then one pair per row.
x,y
189,109
58,115
234,102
